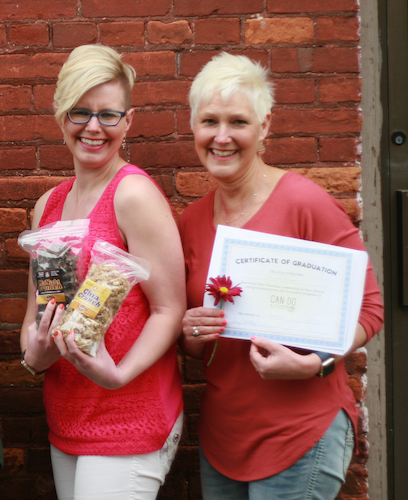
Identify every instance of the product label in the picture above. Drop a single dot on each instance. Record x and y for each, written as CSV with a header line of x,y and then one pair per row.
x,y
90,298
49,286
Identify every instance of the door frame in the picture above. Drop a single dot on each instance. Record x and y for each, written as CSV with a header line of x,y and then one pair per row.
x,y
372,18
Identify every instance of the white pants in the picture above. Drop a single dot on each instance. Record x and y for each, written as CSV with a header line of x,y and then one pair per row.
x,y
128,477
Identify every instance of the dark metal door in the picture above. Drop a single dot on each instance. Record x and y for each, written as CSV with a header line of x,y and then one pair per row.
x,y
394,38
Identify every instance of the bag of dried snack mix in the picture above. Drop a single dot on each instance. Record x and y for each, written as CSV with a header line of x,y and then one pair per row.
x,y
111,275
57,260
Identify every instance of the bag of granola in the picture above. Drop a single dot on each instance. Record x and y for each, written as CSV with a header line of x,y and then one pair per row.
x,y
111,275
57,260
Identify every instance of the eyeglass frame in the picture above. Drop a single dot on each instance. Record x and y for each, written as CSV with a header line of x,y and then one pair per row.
x,y
91,115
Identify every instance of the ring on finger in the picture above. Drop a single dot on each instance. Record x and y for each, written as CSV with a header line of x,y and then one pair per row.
x,y
196,333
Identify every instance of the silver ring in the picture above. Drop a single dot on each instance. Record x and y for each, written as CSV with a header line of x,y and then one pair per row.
x,y
196,333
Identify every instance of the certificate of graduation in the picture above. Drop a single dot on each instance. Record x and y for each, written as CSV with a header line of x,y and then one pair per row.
x,y
295,292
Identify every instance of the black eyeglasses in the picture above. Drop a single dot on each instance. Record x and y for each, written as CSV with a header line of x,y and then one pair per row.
x,y
108,118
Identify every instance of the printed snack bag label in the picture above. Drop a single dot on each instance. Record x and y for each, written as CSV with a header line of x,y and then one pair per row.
x,y
49,286
90,298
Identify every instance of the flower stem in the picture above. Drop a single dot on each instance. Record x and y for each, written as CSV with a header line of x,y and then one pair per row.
x,y
212,354
221,306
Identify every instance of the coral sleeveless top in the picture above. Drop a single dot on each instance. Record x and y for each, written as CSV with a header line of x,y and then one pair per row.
x,y
84,418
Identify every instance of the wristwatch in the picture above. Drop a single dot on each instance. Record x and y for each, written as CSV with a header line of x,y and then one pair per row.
x,y
328,363
28,368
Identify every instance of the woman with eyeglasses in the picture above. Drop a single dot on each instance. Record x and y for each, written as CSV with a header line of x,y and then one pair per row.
x,y
114,419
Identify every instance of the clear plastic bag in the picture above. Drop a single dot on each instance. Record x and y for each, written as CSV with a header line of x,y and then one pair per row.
x,y
57,258
111,275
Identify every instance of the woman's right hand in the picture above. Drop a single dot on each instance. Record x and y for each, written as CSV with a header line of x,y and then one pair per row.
x,y
41,351
201,325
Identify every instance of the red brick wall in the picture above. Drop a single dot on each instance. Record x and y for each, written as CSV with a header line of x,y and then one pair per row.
x,y
312,50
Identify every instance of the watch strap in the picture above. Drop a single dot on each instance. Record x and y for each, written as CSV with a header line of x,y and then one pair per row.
x,y
328,363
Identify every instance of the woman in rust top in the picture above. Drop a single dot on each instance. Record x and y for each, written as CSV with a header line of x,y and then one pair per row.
x,y
269,427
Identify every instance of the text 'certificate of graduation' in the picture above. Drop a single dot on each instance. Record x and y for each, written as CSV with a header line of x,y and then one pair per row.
x,y
295,292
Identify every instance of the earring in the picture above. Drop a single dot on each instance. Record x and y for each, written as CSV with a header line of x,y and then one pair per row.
x,y
124,143
63,142
261,148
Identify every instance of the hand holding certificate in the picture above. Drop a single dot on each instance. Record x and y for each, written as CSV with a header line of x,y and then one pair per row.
x,y
295,292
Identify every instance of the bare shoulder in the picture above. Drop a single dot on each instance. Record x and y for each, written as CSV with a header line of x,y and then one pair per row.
x,y
137,190
145,221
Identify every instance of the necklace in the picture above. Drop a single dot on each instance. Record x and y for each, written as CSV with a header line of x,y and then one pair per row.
x,y
246,208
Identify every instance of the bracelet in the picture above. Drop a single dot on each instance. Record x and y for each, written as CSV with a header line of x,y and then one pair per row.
x,y
28,368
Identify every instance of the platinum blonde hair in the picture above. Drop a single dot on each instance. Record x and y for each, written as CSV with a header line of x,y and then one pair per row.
x,y
86,67
227,74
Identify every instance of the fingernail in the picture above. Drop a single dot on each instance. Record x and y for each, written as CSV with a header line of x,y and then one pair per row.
x,y
222,329
61,306
224,322
52,336
71,332
56,332
216,335
52,301
222,313
253,338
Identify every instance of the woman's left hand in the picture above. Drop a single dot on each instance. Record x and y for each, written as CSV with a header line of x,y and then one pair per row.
x,y
275,361
100,368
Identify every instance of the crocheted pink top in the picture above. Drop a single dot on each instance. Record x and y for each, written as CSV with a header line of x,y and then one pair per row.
x,y
84,418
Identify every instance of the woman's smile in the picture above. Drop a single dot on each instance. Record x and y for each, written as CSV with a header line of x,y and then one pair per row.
x,y
223,153
92,143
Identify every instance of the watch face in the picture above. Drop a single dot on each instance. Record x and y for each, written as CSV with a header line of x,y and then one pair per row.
x,y
327,367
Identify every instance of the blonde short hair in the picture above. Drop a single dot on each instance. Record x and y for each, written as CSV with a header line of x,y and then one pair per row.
x,y
86,67
228,74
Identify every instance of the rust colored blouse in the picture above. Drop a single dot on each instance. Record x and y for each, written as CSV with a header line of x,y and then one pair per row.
x,y
252,428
